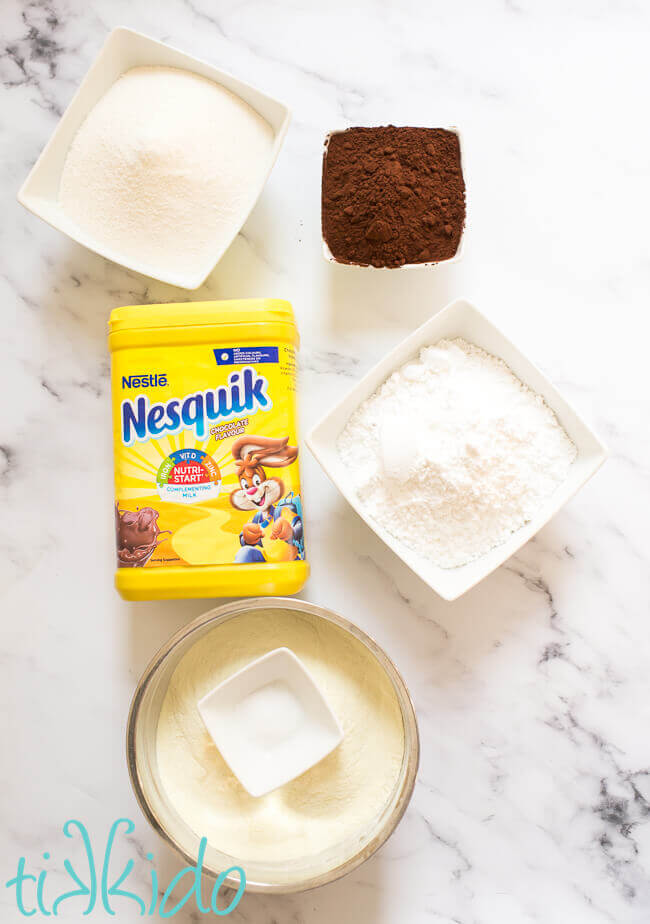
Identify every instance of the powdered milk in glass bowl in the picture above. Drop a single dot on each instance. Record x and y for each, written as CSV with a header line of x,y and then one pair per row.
x,y
317,827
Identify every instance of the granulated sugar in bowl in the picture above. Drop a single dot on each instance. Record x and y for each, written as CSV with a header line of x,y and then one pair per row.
x,y
158,159
161,170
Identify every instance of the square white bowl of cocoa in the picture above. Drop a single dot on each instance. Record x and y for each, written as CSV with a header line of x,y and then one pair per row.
x,y
393,197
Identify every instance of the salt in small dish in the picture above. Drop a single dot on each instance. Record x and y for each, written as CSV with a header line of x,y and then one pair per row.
x,y
270,721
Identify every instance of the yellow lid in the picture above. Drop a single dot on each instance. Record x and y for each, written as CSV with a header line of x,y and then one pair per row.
x,y
184,314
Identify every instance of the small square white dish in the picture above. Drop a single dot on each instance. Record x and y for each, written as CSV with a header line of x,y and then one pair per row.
x,y
270,721
459,319
123,50
329,256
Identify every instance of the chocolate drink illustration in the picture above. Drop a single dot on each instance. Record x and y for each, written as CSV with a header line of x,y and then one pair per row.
x,y
138,535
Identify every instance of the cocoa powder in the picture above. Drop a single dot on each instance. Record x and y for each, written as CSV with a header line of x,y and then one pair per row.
x,y
393,195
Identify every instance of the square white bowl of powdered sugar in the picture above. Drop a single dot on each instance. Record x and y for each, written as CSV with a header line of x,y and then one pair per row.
x,y
456,449
157,161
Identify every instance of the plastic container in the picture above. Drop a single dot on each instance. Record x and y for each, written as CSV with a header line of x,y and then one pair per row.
x,y
207,485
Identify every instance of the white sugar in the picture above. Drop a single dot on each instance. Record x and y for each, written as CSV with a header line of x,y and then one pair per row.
x,y
164,169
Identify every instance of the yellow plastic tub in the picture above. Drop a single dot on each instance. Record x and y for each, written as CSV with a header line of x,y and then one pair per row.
x,y
207,481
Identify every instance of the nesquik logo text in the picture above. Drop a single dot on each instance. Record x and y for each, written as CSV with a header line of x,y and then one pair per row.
x,y
245,394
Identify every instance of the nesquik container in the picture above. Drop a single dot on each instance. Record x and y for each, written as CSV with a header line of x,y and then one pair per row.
x,y
207,484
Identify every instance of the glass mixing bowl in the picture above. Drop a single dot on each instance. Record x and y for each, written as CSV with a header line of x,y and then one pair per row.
x,y
311,871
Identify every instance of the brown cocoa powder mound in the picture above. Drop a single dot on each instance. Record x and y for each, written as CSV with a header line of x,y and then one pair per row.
x,y
393,195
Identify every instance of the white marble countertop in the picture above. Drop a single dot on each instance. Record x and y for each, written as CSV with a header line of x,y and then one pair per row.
x,y
533,690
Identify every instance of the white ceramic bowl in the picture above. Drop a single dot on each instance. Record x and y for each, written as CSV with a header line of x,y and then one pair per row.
x,y
329,256
460,319
123,50
270,721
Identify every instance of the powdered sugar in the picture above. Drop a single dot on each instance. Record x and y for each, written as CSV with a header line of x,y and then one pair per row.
x,y
453,453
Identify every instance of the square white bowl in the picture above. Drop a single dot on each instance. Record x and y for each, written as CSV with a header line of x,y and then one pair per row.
x,y
329,256
268,742
459,319
123,50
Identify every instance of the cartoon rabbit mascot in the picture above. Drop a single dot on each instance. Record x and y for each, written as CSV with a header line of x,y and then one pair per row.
x,y
275,532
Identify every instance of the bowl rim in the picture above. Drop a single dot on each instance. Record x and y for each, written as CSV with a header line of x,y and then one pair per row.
x,y
407,709
411,344
191,63
460,250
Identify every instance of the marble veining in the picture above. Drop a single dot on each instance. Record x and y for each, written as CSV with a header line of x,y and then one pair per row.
x,y
533,690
